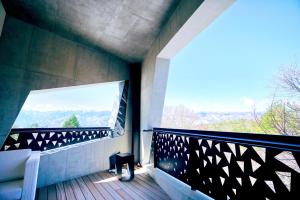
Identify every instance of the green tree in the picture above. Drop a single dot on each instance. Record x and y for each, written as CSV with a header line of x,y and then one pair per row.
x,y
72,122
280,119
238,125
283,114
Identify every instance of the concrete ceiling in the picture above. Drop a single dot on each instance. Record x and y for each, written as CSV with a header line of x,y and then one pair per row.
x,y
125,28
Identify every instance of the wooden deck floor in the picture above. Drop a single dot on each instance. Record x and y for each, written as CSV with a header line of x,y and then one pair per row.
x,y
103,185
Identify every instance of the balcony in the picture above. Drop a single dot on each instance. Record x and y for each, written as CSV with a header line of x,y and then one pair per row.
x,y
221,165
50,45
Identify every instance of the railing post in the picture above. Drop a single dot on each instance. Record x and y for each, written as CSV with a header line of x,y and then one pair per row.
x,y
154,137
192,150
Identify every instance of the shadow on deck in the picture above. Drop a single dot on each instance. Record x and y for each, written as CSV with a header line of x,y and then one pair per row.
x,y
103,185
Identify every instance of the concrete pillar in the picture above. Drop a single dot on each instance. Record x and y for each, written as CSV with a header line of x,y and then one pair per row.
x,y
154,92
2,17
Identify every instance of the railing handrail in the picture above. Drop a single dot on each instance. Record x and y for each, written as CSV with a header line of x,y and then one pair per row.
x,y
148,130
288,143
41,139
57,129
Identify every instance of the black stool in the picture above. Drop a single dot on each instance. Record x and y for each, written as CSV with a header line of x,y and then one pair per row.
x,y
125,158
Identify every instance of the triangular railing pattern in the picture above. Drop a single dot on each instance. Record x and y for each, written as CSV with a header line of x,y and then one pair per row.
x,y
227,168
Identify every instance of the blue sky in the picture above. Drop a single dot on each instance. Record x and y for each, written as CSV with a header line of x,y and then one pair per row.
x,y
94,97
233,63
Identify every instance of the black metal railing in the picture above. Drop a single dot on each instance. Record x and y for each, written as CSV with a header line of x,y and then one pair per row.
x,y
42,139
227,165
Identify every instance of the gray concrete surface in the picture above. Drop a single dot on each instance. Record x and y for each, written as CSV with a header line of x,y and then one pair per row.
x,y
32,59
125,28
188,20
2,17
176,189
201,18
80,159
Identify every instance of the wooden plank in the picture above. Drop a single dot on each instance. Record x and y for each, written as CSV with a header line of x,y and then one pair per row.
x,y
115,186
152,184
69,191
157,193
86,192
103,175
100,187
92,188
147,177
131,194
142,188
60,191
150,181
109,189
77,191
136,190
51,192
123,194
43,193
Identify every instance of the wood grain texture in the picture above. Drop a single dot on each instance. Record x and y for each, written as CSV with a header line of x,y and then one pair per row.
x,y
60,191
76,189
103,185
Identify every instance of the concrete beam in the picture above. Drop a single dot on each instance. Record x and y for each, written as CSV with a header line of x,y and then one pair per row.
x,y
2,17
200,19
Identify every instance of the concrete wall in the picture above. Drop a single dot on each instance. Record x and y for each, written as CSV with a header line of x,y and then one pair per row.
x,y
78,160
176,189
2,17
33,59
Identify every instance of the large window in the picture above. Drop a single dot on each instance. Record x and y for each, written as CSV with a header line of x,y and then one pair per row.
x,y
241,74
79,106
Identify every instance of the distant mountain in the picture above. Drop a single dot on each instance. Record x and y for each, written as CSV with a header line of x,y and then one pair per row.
x,y
213,117
53,119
